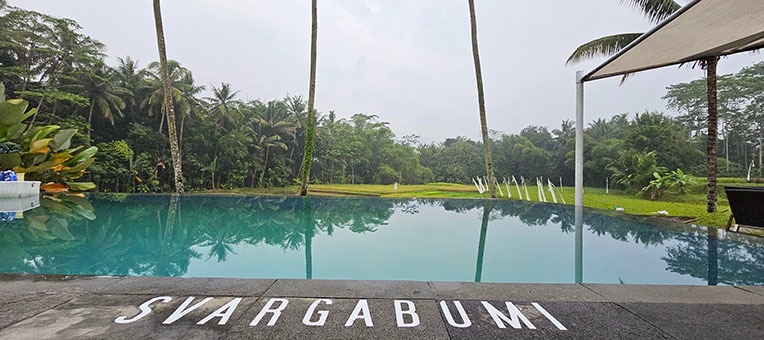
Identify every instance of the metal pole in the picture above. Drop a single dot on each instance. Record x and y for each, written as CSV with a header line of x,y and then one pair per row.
x,y
579,247
579,139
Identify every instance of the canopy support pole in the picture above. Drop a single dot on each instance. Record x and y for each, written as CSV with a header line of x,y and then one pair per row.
x,y
579,202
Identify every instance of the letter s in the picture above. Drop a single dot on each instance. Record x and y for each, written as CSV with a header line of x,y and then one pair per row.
x,y
145,310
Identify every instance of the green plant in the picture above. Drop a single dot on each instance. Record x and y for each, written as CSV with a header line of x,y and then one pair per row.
x,y
635,170
657,186
43,153
680,180
660,183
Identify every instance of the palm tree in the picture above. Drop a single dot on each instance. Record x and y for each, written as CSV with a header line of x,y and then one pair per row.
x,y
179,77
481,102
266,142
189,103
103,94
713,112
223,104
656,11
169,106
128,75
310,132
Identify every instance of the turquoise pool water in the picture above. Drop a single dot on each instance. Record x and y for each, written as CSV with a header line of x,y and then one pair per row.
x,y
369,239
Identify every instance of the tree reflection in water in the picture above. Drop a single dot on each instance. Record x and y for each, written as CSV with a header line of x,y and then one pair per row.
x,y
157,235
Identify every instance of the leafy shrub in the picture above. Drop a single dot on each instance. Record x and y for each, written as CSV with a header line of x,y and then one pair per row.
x,y
634,170
43,153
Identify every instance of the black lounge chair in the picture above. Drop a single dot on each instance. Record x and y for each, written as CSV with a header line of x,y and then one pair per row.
x,y
747,205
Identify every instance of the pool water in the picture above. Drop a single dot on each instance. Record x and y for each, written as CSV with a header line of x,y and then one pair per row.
x,y
368,239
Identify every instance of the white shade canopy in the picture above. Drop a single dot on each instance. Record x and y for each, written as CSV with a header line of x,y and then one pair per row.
x,y
703,28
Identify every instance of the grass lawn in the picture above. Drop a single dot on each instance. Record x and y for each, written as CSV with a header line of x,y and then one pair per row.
x,y
690,207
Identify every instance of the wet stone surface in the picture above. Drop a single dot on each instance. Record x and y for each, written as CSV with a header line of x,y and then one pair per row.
x,y
41,307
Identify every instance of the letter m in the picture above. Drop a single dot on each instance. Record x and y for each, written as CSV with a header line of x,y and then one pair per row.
x,y
514,318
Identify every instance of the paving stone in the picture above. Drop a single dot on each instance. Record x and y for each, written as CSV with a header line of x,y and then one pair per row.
x,y
42,307
13,283
514,291
188,286
581,320
93,317
675,294
351,289
17,307
290,323
703,321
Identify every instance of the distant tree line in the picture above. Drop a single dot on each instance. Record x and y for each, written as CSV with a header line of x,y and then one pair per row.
x,y
227,142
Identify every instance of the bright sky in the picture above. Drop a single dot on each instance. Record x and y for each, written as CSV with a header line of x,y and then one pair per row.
x,y
407,61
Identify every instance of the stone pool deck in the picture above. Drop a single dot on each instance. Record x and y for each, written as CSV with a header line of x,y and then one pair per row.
x,y
56,307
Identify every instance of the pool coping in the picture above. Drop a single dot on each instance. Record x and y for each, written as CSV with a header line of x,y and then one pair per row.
x,y
50,306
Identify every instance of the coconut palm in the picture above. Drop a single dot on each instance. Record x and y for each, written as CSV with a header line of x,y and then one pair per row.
x,y
656,11
129,75
105,96
168,100
481,102
155,100
223,104
189,103
310,132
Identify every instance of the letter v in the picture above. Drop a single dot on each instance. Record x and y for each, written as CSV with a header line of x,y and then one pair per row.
x,y
183,309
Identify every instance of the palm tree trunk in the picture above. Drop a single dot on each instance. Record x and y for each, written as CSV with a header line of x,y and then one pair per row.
x,y
265,165
481,244
310,227
90,119
481,103
161,119
712,242
712,126
180,138
34,116
310,132
174,148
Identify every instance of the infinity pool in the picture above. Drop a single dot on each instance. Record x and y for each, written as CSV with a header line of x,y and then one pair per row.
x,y
368,239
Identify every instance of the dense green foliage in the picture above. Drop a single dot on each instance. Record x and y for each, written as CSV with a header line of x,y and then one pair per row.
x,y
226,142
741,115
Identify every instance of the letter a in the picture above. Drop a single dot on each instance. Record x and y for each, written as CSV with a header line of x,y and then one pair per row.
x,y
514,318
268,308
224,312
184,309
549,316
450,318
361,311
321,314
399,312
145,310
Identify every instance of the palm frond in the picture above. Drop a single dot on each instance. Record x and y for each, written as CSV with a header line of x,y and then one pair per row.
x,y
655,10
602,47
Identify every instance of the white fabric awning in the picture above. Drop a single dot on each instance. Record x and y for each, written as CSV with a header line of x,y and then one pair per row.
x,y
701,29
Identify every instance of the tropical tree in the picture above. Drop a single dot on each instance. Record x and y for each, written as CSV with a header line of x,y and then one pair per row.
x,y
270,123
481,102
310,132
104,95
129,75
168,100
223,104
656,11
154,100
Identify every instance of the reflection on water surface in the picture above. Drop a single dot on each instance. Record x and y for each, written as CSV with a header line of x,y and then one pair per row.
x,y
377,239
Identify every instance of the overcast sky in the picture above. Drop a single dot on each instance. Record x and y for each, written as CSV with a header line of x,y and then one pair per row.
x,y
407,61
